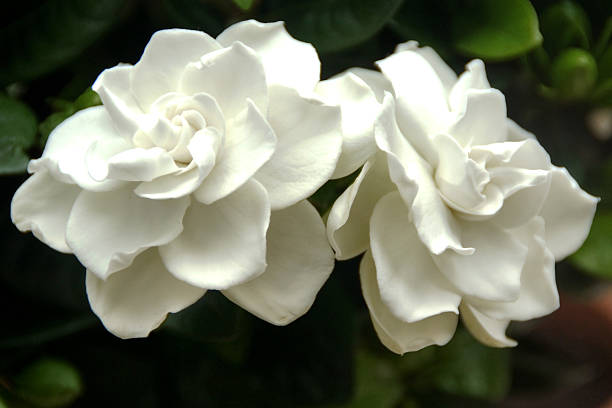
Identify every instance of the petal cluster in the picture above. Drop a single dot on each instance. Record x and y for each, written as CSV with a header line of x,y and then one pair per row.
x,y
458,209
192,176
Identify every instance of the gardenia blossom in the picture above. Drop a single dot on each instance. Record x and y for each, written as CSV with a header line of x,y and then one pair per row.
x,y
192,176
459,210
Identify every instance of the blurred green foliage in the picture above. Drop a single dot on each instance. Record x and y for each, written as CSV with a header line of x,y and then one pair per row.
x,y
214,353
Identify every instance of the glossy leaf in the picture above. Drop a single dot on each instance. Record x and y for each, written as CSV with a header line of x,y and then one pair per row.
x,y
496,30
595,257
565,24
52,35
48,383
17,134
332,25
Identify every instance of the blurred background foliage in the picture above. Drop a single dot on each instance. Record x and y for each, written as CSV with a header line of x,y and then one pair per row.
x,y
552,59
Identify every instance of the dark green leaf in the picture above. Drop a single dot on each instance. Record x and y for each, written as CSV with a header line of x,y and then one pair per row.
x,y
565,24
212,318
378,383
467,368
496,30
332,25
48,383
573,73
17,134
605,64
244,4
49,332
595,256
51,35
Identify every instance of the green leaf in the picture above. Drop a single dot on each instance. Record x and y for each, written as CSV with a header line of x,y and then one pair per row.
x,y
48,383
52,35
565,24
595,257
464,367
378,383
244,4
332,25
17,134
605,64
496,30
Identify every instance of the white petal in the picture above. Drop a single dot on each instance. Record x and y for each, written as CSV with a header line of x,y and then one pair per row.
x,y
223,244
525,202
140,164
517,133
359,110
418,88
66,152
493,271
434,222
202,147
349,218
107,230
410,284
42,205
484,119
287,61
447,76
164,60
299,262
249,143
568,213
474,77
133,302
309,142
399,336
377,82
538,296
231,76
113,86
489,331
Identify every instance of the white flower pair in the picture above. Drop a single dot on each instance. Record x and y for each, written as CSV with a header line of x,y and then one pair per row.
x,y
194,175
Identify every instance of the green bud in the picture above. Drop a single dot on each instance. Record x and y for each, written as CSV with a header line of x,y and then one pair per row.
x,y
574,73
48,383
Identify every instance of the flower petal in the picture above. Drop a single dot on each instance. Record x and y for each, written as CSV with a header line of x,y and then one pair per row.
x,y
484,119
133,302
68,146
447,76
434,222
538,296
287,61
309,142
202,147
249,143
377,82
299,262
489,331
359,110
140,164
164,60
106,231
223,244
42,205
418,89
230,75
397,335
113,86
493,271
474,77
410,284
568,213
348,221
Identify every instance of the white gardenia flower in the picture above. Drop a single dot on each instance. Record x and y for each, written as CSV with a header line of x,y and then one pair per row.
x,y
459,210
193,175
